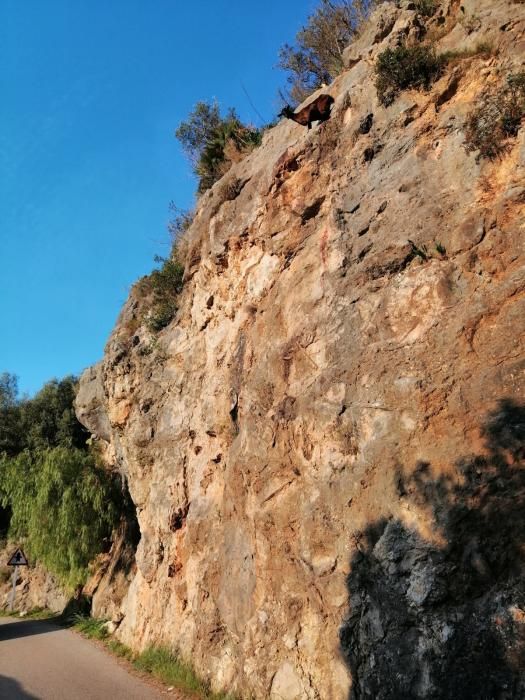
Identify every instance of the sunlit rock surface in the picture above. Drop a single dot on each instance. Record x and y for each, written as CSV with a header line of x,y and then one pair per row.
x,y
304,441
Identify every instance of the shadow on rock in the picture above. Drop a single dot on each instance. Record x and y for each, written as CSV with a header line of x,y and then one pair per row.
x,y
79,605
446,622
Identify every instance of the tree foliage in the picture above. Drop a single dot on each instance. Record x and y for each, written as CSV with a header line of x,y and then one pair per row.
x,y
316,58
10,428
53,495
194,133
62,505
213,142
46,420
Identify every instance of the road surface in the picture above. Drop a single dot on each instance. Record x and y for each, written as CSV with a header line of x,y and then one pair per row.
x,y
41,660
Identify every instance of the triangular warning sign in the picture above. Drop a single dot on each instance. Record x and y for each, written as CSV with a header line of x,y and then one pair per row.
x,y
18,558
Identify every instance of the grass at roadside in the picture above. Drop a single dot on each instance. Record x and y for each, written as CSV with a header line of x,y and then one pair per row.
x,y
33,614
160,662
91,627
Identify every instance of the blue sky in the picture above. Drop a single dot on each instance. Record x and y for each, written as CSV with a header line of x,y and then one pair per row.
x,y
92,92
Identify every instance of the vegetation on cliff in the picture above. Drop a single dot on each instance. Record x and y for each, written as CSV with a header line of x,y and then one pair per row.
x,y
213,142
406,67
160,662
497,117
164,285
316,57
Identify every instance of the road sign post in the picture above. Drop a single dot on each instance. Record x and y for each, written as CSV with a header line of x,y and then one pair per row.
x,y
17,559
13,591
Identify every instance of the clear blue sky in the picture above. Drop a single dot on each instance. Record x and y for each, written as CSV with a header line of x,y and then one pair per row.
x,y
91,92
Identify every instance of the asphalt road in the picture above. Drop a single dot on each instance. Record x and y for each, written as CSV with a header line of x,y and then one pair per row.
x,y
40,660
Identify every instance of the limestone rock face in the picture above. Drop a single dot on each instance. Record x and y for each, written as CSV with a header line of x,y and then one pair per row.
x,y
323,446
36,588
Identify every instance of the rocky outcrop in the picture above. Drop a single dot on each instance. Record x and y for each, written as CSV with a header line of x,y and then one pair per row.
x,y
36,587
308,443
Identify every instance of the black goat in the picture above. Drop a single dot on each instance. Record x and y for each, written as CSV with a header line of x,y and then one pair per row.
x,y
316,111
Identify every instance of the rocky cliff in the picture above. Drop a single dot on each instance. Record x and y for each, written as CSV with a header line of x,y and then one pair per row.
x,y
324,446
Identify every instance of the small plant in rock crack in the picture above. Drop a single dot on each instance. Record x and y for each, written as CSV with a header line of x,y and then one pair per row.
x,y
418,251
426,7
440,248
471,23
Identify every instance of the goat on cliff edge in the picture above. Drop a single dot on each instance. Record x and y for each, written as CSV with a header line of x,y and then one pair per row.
x,y
316,111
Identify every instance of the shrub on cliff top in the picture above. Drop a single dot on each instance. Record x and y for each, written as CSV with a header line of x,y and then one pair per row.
x,y
213,143
406,67
317,55
164,284
497,117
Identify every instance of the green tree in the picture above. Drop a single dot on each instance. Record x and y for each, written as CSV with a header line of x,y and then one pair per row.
x,y
53,494
63,505
49,420
316,57
194,133
46,420
10,428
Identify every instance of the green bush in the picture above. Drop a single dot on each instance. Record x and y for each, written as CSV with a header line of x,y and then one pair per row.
x,y
119,649
406,67
497,117
164,284
165,666
229,143
426,7
481,48
316,58
160,662
213,142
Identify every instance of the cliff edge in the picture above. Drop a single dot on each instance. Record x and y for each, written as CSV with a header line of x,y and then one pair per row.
x,y
324,445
